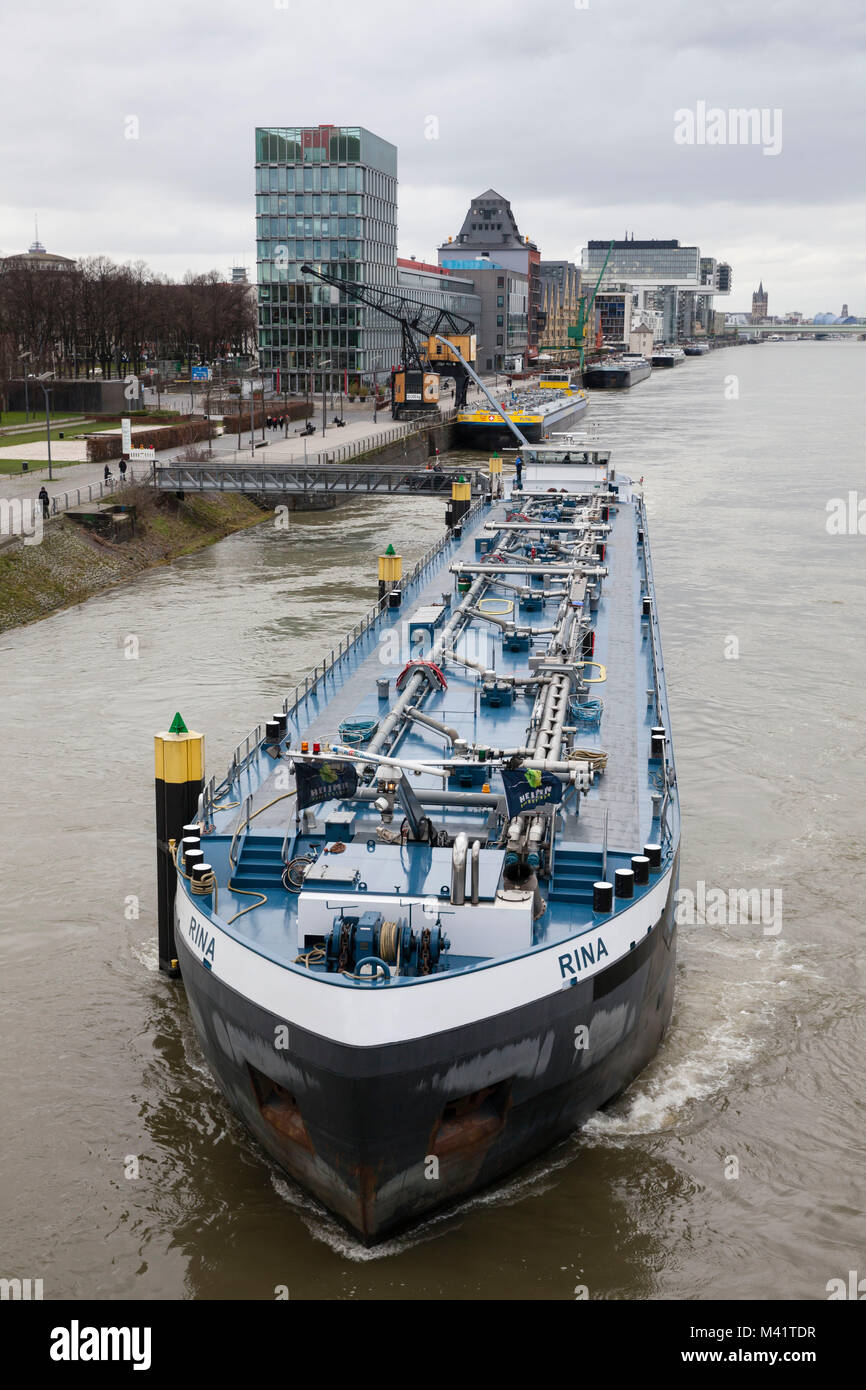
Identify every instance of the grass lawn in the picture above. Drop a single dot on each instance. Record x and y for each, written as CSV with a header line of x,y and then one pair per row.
x,y
16,417
36,467
8,441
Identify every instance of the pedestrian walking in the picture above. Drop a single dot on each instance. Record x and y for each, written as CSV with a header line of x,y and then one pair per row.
x,y
122,467
106,474
44,499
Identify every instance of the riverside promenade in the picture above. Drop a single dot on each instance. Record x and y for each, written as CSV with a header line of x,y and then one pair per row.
x,y
84,482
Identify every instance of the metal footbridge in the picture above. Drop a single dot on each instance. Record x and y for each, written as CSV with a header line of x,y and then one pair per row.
x,y
302,480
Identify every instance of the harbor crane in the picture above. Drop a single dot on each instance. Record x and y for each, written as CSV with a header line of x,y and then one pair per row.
x,y
435,343
585,312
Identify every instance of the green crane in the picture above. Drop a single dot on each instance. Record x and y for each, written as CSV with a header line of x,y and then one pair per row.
x,y
585,311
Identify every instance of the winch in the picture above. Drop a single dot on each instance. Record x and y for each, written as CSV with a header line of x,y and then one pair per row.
x,y
369,937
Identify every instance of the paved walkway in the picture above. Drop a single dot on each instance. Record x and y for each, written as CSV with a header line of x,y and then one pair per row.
x,y
359,426
278,450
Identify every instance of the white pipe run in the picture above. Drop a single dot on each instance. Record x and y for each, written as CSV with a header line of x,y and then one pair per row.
x,y
458,869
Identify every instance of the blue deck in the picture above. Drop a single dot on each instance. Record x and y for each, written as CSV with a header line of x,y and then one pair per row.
x,y
620,798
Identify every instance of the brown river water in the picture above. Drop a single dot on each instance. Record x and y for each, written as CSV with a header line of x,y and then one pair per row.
x,y
733,1166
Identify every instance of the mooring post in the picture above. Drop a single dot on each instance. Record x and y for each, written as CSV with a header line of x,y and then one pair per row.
x,y
461,500
179,760
390,571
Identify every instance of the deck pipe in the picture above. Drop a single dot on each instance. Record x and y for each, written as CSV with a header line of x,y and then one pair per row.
x,y
536,835
191,859
395,719
554,700
456,739
489,674
623,880
458,869
475,872
641,867
602,897
190,842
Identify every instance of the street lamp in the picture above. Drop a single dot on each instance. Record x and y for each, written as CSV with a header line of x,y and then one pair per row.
x,y
376,388
46,391
250,372
24,357
322,366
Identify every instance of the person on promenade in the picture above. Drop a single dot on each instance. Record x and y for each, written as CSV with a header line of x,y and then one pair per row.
x,y
44,499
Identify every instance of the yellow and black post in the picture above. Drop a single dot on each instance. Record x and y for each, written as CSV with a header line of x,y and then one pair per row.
x,y
179,758
390,572
461,500
495,468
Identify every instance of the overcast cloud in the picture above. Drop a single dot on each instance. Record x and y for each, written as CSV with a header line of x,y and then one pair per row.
x,y
567,111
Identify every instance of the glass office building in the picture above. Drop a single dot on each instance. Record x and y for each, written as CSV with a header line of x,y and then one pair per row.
x,y
667,278
327,196
642,262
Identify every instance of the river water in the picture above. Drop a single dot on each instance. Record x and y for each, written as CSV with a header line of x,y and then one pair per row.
x,y
733,1166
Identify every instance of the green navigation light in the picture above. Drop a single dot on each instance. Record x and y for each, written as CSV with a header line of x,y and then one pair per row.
x,y
177,726
390,550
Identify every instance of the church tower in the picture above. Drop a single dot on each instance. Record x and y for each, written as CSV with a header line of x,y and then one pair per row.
x,y
759,304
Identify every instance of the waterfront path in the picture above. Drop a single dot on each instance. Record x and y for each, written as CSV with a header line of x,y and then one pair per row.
x,y
83,482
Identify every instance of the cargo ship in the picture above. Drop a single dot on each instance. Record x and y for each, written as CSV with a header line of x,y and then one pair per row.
x,y
553,405
617,373
668,357
425,919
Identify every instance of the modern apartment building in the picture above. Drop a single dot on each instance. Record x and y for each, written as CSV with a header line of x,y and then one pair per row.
x,y
326,195
613,307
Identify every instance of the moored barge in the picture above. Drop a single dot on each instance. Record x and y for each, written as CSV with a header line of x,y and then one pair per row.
x,y
552,406
617,373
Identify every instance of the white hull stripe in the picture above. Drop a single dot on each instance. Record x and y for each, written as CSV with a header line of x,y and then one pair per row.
x,y
376,1015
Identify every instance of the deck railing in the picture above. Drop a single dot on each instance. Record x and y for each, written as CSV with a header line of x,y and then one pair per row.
x,y
667,781
62,501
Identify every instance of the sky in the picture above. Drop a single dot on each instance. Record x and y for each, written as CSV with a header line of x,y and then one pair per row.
x,y
129,129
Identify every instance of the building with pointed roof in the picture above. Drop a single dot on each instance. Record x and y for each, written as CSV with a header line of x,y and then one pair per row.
x,y
759,304
490,239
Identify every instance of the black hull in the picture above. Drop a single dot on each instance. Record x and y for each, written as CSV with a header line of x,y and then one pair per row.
x,y
471,436
375,1134
620,379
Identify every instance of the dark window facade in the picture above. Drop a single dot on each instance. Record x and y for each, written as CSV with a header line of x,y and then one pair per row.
x,y
327,195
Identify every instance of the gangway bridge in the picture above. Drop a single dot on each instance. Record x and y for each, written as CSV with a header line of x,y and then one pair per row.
x,y
304,480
